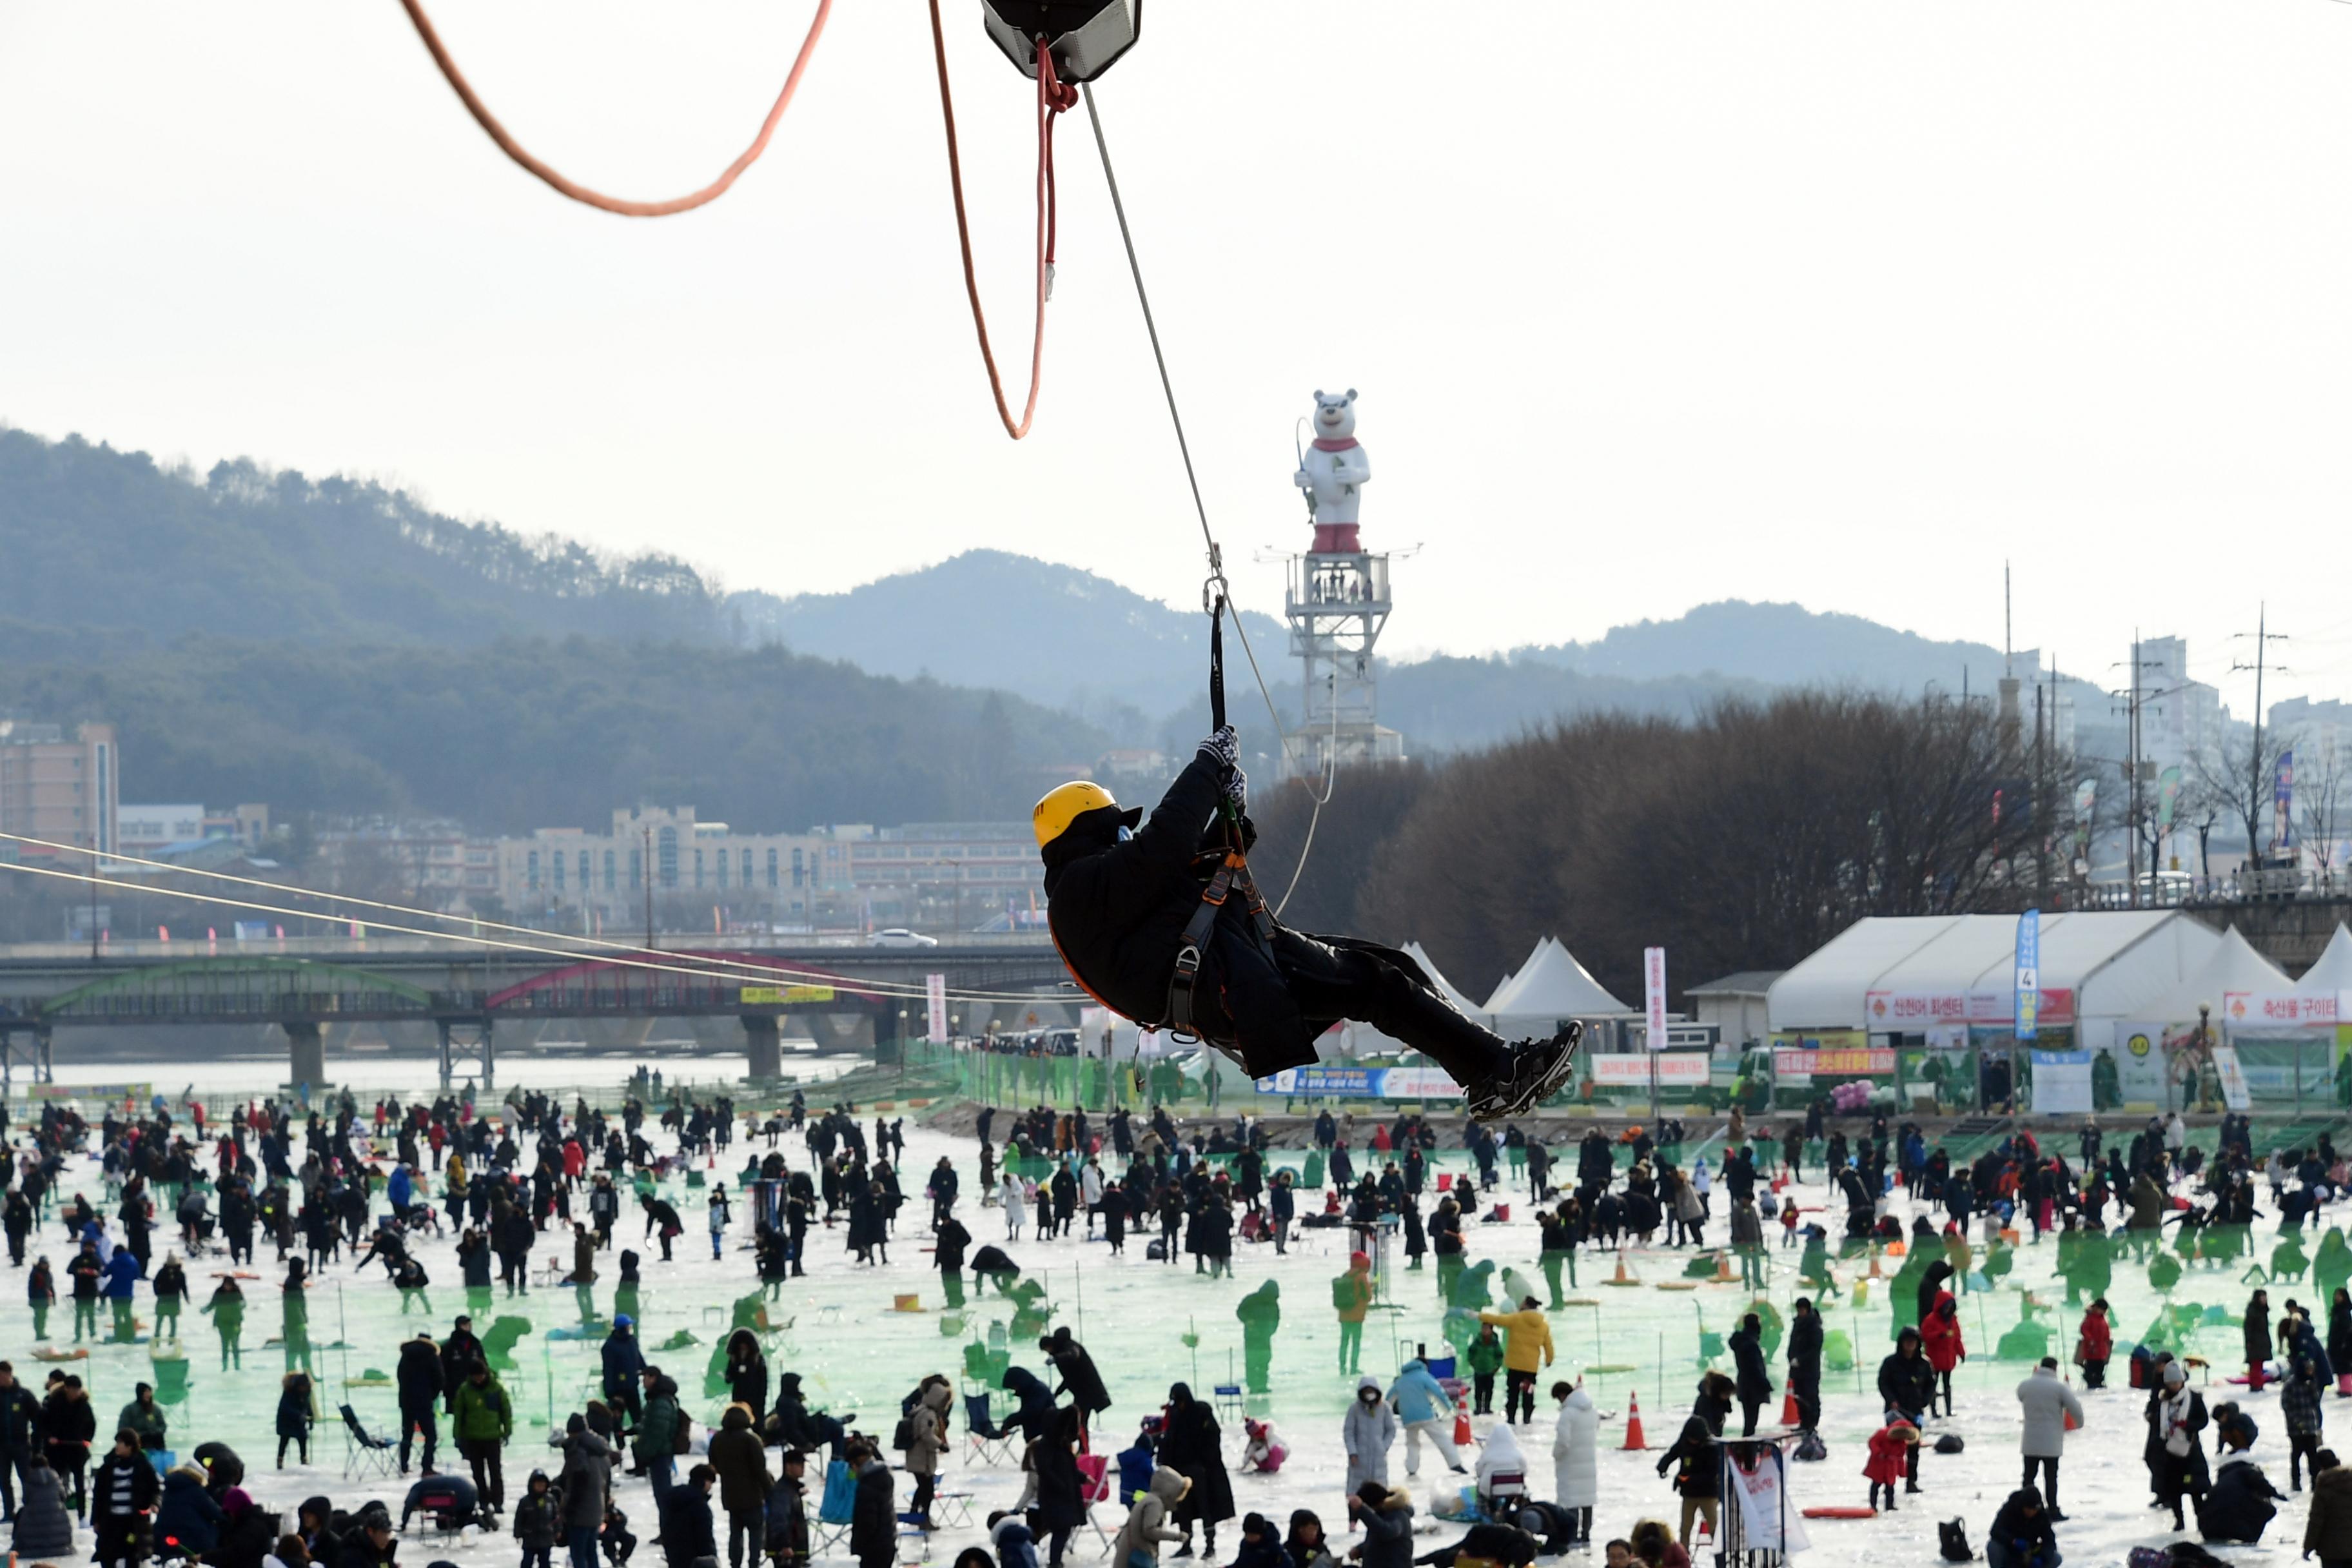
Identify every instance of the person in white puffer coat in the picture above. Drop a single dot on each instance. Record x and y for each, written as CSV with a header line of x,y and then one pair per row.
x,y
1575,1455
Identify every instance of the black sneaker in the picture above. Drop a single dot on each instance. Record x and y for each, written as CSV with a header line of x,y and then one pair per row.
x,y
1535,1073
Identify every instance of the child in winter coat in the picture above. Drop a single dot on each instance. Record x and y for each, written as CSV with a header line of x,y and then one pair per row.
x,y
1486,1358
294,1416
1146,1529
537,1520
2095,1346
1263,1452
1940,1341
1261,1547
1888,1458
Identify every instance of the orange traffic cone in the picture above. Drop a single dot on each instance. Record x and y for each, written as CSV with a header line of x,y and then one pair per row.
x,y
1874,1272
1624,1276
1789,1415
1633,1438
1723,1274
1461,1433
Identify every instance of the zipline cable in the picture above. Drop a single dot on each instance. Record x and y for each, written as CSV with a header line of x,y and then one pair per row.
x,y
1216,553
707,970
588,946
583,194
1052,98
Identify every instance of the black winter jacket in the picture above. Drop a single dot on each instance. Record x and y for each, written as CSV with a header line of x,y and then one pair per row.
x,y
1118,910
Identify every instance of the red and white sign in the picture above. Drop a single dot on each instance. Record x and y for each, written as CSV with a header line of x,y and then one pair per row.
x,y
935,996
1654,994
1914,1012
2243,1009
1628,1069
1827,1064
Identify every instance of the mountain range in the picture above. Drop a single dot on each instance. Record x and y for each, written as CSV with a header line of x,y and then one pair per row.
x,y
334,645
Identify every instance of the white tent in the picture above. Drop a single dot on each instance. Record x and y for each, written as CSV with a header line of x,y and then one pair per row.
x,y
2332,974
1898,975
1550,986
1446,988
2235,965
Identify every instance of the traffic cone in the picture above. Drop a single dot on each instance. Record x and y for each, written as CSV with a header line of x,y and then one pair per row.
x,y
1635,1441
1624,1275
1789,1415
1874,1272
1723,1274
1461,1433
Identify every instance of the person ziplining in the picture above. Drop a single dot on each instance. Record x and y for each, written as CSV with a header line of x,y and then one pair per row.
x,y
1156,919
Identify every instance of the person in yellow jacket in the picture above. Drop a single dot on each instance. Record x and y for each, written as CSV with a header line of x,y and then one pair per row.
x,y
1351,1294
1527,1351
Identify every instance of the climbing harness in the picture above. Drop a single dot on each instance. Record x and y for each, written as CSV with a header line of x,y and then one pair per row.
x,y
1232,876
583,194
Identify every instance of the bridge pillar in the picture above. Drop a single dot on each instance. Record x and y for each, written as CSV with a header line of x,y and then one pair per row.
x,y
763,1045
481,1051
307,1054
889,1025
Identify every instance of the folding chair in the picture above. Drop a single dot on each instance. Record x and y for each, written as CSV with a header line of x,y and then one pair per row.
x,y
1502,1487
364,1454
1229,1402
983,1437
838,1509
1094,1490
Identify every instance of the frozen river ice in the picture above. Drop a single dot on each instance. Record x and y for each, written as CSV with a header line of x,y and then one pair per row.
x,y
1149,1324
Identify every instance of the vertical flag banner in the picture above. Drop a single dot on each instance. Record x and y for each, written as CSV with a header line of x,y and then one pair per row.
x,y
2283,804
935,995
1654,994
2029,973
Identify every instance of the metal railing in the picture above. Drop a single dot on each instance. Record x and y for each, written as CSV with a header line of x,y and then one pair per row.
x,y
2236,888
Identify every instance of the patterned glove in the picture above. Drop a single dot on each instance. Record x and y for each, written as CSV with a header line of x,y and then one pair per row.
x,y
1222,747
1237,790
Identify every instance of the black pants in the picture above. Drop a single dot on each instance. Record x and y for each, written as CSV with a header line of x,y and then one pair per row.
x,y
750,1527
2094,1375
1482,1394
1518,1393
1748,1408
921,1506
2300,1448
489,1482
1944,1382
301,1442
2048,1466
12,1466
1310,982
1809,1401
413,1422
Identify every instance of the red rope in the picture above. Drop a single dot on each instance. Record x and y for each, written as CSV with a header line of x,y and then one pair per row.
x,y
579,193
1052,98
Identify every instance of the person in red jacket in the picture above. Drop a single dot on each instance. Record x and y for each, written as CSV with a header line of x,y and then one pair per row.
x,y
1940,1339
2095,1346
1890,1449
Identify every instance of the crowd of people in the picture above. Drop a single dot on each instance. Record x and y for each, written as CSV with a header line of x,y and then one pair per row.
x,y
343,1189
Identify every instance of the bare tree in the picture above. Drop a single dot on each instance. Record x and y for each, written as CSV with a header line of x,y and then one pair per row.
x,y
2320,783
2243,778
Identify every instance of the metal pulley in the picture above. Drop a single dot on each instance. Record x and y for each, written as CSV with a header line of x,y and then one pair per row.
x,y
1086,37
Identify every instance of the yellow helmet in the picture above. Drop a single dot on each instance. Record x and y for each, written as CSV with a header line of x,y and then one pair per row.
x,y
1065,804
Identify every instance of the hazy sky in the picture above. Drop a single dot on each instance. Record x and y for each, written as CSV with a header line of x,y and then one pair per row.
x,y
1650,302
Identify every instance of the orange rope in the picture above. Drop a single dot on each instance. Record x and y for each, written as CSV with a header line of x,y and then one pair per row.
x,y
579,193
1052,98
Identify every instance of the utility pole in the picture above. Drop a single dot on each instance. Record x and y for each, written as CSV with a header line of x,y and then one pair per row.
x,y
2135,765
2264,637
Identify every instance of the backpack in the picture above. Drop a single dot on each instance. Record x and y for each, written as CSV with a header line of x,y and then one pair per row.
x,y
1811,1448
1952,1539
682,1436
1950,1443
1343,1291
902,1436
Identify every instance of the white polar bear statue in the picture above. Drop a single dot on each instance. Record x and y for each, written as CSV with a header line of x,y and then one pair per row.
x,y
1333,474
